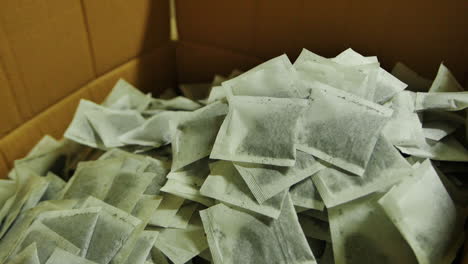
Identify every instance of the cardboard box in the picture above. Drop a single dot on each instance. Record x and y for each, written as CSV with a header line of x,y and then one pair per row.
x,y
54,52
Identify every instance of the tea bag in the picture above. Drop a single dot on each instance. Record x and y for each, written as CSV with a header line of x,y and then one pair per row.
x,y
312,68
239,237
446,149
305,195
242,134
7,189
386,167
111,124
217,93
446,101
186,191
387,85
166,211
193,174
113,228
315,228
181,245
138,100
438,130
321,215
225,184
266,181
416,83
142,247
183,215
154,132
55,187
331,134
445,81
157,257
196,134
76,226
80,129
430,231
176,103
362,233
274,78
46,241
93,178
146,206
60,256
404,128
27,256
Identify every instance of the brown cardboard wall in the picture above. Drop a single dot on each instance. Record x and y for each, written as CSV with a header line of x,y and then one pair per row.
x,y
10,116
121,30
47,50
420,33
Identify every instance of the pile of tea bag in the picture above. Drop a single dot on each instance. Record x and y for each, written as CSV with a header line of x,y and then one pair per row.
x,y
317,161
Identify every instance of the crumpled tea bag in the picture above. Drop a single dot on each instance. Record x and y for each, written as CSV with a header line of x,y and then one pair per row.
x,y
60,256
217,93
242,134
315,228
266,181
386,167
193,174
387,85
446,101
7,189
27,256
416,83
46,241
404,128
429,230
445,81
196,134
305,195
312,68
362,234
273,78
239,237
138,100
446,149
154,132
331,134
176,103
111,124
76,226
142,247
166,210
181,245
186,191
113,228
225,184
437,130
321,215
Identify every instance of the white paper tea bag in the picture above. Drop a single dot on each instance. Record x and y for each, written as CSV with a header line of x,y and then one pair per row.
x,y
181,245
196,134
111,124
193,174
239,237
446,101
176,103
362,233
142,247
386,167
182,218
138,100
217,93
60,256
55,187
306,195
166,210
312,68
157,257
335,122
446,149
429,230
27,256
154,132
266,181
321,215
274,78
445,81
387,85
315,228
186,191
46,241
225,184
76,226
437,130
242,134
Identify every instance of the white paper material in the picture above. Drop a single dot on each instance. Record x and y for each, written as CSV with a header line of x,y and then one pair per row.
x,y
446,101
306,195
27,256
430,231
242,134
238,237
60,256
331,134
138,100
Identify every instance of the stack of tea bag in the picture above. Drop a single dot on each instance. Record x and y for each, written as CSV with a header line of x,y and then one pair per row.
x,y
317,161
